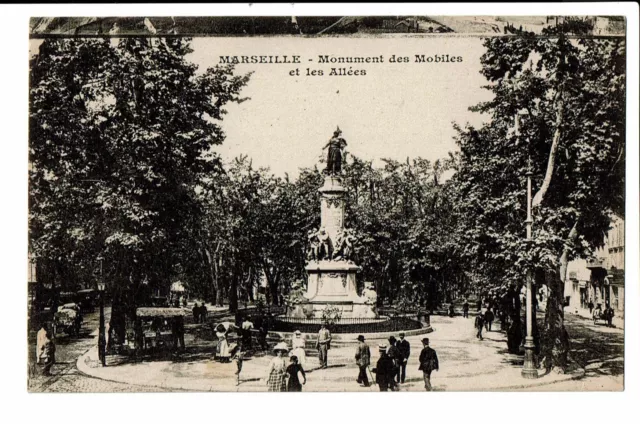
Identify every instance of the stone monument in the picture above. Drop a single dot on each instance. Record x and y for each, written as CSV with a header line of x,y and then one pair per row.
x,y
330,256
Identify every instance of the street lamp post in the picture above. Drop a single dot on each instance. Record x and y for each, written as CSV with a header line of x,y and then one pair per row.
x,y
529,370
102,341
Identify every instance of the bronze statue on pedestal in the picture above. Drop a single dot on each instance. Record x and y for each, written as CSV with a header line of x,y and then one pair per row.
x,y
334,159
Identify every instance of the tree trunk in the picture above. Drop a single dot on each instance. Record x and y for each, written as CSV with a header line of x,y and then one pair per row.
x,y
213,272
275,286
538,198
218,266
233,289
555,343
272,282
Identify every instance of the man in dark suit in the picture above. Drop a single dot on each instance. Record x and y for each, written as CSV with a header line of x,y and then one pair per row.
x,y
488,319
363,359
405,350
396,356
479,324
384,370
428,363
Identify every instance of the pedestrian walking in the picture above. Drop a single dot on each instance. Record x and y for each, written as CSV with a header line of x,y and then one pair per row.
x,y
363,359
488,319
177,331
263,331
384,370
451,310
203,313
295,374
297,345
396,356
590,307
41,339
503,320
479,324
276,374
597,312
49,354
405,350
246,328
238,358
608,315
465,309
222,349
323,344
428,363
196,312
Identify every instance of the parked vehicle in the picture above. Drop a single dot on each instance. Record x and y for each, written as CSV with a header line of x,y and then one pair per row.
x,y
68,319
87,299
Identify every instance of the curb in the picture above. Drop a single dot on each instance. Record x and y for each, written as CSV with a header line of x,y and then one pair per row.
x,y
83,369
569,377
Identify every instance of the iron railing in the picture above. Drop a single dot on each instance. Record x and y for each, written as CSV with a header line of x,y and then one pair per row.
x,y
348,325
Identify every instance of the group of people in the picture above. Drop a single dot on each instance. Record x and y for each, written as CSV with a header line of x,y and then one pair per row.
x,y
199,313
282,377
598,313
391,367
483,321
288,378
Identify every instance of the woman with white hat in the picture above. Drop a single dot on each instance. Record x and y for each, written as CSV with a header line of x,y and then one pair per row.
x,y
297,344
276,375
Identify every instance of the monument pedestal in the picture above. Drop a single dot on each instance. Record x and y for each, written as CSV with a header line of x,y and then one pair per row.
x,y
334,283
331,271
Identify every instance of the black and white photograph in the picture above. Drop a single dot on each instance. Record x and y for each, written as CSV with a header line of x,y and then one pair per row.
x,y
401,203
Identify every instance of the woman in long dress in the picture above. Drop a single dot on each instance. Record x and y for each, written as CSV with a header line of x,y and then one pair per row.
x,y
277,373
297,344
222,350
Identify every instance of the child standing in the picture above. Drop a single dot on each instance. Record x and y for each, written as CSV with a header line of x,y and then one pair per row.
x,y
295,373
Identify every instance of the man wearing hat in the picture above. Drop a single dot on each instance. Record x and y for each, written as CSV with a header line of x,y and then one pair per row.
x,y
363,359
405,350
428,363
396,356
384,370
323,344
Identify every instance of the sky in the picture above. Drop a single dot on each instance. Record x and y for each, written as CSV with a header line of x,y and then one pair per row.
x,y
394,111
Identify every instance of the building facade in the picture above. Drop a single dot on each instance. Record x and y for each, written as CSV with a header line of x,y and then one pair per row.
x,y
599,280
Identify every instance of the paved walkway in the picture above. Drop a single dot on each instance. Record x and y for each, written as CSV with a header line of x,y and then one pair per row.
x,y
466,364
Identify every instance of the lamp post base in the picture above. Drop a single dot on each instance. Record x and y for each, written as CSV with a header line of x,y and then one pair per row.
x,y
102,340
529,370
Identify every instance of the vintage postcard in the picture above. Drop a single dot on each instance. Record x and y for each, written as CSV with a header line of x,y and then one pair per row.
x,y
327,203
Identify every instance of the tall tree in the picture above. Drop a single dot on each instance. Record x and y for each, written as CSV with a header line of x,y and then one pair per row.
x,y
120,138
569,93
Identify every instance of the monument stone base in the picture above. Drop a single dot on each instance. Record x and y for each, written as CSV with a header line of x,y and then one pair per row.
x,y
332,284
